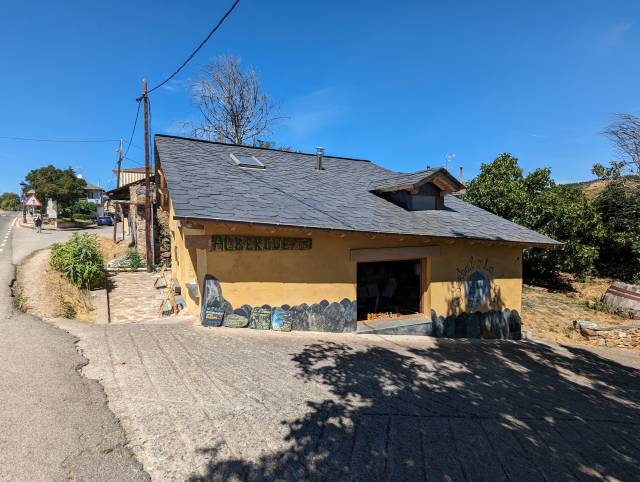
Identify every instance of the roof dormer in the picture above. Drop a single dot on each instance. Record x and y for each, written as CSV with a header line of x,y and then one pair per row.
x,y
418,191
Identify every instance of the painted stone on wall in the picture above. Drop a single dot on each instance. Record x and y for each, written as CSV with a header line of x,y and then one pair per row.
x,y
213,309
281,320
260,318
235,321
335,317
213,316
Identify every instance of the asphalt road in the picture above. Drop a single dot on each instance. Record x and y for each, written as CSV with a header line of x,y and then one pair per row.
x,y
55,423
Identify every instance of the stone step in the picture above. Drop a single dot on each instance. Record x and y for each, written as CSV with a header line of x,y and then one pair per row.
x,y
404,325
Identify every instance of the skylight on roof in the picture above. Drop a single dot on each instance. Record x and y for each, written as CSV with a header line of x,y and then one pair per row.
x,y
247,161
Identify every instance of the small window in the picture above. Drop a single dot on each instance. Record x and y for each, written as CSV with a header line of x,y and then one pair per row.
x,y
247,161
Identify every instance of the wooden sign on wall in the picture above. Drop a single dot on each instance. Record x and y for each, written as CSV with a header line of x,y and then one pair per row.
x,y
224,242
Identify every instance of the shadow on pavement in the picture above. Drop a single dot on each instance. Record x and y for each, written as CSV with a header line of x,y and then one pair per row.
x,y
458,411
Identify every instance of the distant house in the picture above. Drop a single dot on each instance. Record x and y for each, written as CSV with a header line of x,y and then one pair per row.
x,y
128,201
94,194
129,175
339,244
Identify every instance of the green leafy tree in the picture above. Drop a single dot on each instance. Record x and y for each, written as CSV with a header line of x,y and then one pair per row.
x,y
61,185
563,213
534,201
9,201
619,206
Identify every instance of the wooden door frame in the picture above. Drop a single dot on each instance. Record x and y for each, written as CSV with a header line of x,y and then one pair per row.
x,y
425,285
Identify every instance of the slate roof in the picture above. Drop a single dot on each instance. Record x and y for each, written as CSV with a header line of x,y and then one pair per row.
x,y
396,181
205,183
92,187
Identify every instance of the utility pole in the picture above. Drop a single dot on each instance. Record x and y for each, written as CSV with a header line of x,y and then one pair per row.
x,y
115,207
147,174
120,156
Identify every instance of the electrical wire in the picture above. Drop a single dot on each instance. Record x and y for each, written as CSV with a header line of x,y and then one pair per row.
x,y
224,17
133,131
33,139
134,162
151,158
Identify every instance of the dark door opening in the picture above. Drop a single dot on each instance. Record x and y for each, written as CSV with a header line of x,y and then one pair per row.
x,y
388,287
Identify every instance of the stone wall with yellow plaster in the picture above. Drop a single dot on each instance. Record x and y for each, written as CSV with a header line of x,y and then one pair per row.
x,y
326,272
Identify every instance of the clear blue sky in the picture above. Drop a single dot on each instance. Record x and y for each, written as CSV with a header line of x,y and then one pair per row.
x,y
401,83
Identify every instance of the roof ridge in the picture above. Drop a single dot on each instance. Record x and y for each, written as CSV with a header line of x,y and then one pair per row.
x,y
403,174
256,147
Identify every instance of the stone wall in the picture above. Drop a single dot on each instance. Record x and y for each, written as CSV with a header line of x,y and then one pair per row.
x,y
163,236
161,233
503,324
622,337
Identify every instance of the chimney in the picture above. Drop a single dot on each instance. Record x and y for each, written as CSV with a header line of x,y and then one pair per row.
x,y
319,154
461,179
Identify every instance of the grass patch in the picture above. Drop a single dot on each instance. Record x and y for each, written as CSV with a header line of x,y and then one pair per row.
x,y
133,260
20,300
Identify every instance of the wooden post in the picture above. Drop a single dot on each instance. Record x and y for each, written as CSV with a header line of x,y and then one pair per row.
x,y
115,218
147,174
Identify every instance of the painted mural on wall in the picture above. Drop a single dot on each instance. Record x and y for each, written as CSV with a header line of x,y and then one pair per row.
x,y
475,278
323,316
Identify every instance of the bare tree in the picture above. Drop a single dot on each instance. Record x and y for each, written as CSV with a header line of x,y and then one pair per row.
x,y
234,107
624,132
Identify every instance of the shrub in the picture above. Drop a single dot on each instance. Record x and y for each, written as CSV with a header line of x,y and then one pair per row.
x,y
79,260
82,217
133,260
67,310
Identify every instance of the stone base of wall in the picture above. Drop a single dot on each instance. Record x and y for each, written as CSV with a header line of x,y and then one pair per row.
x,y
336,317
627,336
503,325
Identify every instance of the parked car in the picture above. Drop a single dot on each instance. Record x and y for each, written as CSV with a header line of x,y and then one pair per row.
x,y
114,216
105,221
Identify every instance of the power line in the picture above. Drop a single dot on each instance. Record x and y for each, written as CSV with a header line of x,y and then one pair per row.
x,y
137,163
33,139
133,131
198,48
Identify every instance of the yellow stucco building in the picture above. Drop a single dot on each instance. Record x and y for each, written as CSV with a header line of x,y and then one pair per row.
x,y
336,244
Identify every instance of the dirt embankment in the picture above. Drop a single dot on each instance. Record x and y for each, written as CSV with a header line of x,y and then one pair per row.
x,y
46,293
549,315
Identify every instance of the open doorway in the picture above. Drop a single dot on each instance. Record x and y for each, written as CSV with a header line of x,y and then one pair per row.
x,y
388,287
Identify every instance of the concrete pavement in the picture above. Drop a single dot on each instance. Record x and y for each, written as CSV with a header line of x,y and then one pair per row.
x,y
227,404
55,422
